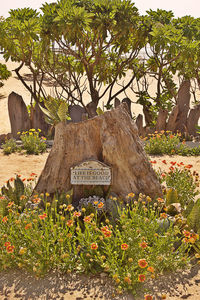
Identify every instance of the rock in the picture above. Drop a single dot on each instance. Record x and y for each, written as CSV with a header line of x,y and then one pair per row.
x,y
111,138
76,113
139,124
18,114
128,102
193,119
161,120
178,118
38,120
117,102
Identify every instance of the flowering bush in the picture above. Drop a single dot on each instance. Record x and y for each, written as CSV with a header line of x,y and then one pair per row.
x,y
133,251
9,147
32,142
165,142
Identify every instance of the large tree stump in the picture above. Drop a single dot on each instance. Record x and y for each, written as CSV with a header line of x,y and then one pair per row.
x,y
111,138
18,114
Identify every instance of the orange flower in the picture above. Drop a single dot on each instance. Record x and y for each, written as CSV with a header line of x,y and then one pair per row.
x,y
104,229
107,233
36,200
151,269
70,223
163,216
160,200
143,245
153,161
28,226
141,278
42,217
142,263
148,297
7,244
124,246
10,249
33,174
100,205
70,207
94,246
5,219
186,233
77,214
10,204
188,166
127,279
87,219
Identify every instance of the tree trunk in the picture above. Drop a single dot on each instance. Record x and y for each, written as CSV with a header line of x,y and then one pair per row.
x,y
111,138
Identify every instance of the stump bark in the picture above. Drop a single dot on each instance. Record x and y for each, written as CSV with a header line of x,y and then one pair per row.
x,y
111,138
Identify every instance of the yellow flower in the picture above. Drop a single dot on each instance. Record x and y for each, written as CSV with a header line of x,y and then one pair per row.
x,y
22,251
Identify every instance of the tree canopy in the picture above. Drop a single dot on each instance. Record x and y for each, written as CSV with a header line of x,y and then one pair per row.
x,y
87,46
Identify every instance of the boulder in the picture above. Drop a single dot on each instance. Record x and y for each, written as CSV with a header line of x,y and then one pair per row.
x,y
18,114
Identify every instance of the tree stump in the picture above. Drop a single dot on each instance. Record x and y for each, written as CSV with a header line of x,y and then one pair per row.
x,y
111,138
18,114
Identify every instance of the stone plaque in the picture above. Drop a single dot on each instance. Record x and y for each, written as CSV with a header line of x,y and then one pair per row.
x,y
91,172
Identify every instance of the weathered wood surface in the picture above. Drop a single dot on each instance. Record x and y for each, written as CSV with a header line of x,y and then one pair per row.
x,y
111,138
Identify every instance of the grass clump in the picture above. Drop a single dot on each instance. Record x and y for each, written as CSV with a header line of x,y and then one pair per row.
x,y
9,147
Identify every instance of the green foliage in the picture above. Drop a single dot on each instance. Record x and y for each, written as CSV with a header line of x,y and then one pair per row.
x,y
9,147
193,218
32,143
56,110
172,196
181,184
4,73
14,193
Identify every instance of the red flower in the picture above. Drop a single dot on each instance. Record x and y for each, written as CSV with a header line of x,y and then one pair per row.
x,y
42,217
10,249
77,214
143,245
124,246
164,162
188,166
172,163
141,278
7,244
107,233
94,246
5,219
87,219
142,263
148,297
153,161
70,223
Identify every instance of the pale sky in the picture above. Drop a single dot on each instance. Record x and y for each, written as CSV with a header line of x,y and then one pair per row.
x,y
179,7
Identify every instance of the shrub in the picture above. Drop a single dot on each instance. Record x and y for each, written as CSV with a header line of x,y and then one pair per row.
x,y
168,143
135,250
9,147
32,142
